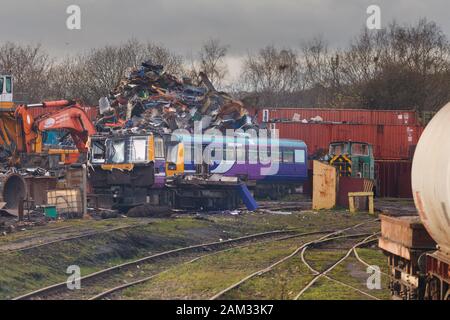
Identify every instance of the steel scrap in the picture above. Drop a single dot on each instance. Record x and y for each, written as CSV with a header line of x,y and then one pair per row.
x,y
149,98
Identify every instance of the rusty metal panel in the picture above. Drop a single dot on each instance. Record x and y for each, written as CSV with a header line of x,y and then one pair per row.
x,y
438,263
407,231
324,186
394,248
38,187
393,178
349,184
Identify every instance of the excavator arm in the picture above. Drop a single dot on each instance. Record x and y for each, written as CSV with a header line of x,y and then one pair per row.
x,y
71,118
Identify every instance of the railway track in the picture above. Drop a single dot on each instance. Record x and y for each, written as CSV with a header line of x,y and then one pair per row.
x,y
89,233
319,274
328,237
355,252
114,290
119,288
60,290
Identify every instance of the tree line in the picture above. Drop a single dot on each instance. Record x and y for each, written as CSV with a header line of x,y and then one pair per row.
x,y
398,67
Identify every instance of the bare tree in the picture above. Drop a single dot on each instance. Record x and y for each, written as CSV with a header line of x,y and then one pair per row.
x,y
315,58
94,74
172,62
30,66
323,73
271,73
211,61
399,67
105,67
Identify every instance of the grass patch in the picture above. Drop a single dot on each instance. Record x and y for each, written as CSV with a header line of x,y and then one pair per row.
x,y
282,283
353,273
325,289
21,272
209,275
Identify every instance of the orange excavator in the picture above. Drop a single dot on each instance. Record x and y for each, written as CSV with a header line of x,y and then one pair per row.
x,y
69,116
21,132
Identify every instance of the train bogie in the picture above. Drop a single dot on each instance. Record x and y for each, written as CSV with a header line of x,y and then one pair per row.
x,y
438,276
405,242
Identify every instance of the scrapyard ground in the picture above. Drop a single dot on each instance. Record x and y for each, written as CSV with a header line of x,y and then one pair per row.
x,y
39,257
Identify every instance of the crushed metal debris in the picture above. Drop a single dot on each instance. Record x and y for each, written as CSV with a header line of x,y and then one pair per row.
x,y
149,98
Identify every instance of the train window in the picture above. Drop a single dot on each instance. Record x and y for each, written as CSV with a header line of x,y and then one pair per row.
x,y
252,155
338,149
172,153
265,117
98,152
241,152
159,147
1,85
138,149
275,156
8,86
299,156
288,156
360,149
117,151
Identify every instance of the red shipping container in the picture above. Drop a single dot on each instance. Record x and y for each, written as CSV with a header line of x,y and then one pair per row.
x,y
353,116
393,178
389,141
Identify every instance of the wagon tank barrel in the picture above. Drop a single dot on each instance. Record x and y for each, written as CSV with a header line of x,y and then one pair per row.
x,y
431,176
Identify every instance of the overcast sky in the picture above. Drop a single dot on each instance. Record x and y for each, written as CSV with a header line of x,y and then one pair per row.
x,y
182,25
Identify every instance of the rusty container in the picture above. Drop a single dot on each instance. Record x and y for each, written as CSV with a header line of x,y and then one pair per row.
x,y
393,178
350,184
352,116
401,234
38,187
394,142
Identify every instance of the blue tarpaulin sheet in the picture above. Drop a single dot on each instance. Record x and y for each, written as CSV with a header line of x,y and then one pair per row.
x,y
247,197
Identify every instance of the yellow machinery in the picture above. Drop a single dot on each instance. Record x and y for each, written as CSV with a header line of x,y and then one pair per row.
x,y
10,139
21,133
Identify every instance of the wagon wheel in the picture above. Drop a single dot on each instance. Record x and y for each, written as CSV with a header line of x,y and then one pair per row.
x,y
447,295
431,290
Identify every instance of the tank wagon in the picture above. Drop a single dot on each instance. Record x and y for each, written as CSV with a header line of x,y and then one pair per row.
x,y
418,248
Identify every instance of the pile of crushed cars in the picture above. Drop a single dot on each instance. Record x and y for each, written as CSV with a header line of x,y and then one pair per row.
x,y
149,98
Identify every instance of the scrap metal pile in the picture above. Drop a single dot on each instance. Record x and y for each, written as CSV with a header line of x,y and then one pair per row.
x,y
149,98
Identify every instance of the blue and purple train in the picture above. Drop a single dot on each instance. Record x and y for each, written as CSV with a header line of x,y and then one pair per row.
x,y
130,169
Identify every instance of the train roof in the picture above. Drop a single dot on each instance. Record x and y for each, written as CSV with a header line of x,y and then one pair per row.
x,y
206,139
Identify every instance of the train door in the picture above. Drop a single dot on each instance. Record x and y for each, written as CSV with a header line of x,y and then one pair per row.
x,y
174,158
252,160
6,89
300,162
160,161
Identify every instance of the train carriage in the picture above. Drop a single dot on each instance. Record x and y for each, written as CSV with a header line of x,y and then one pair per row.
x,y
130,169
